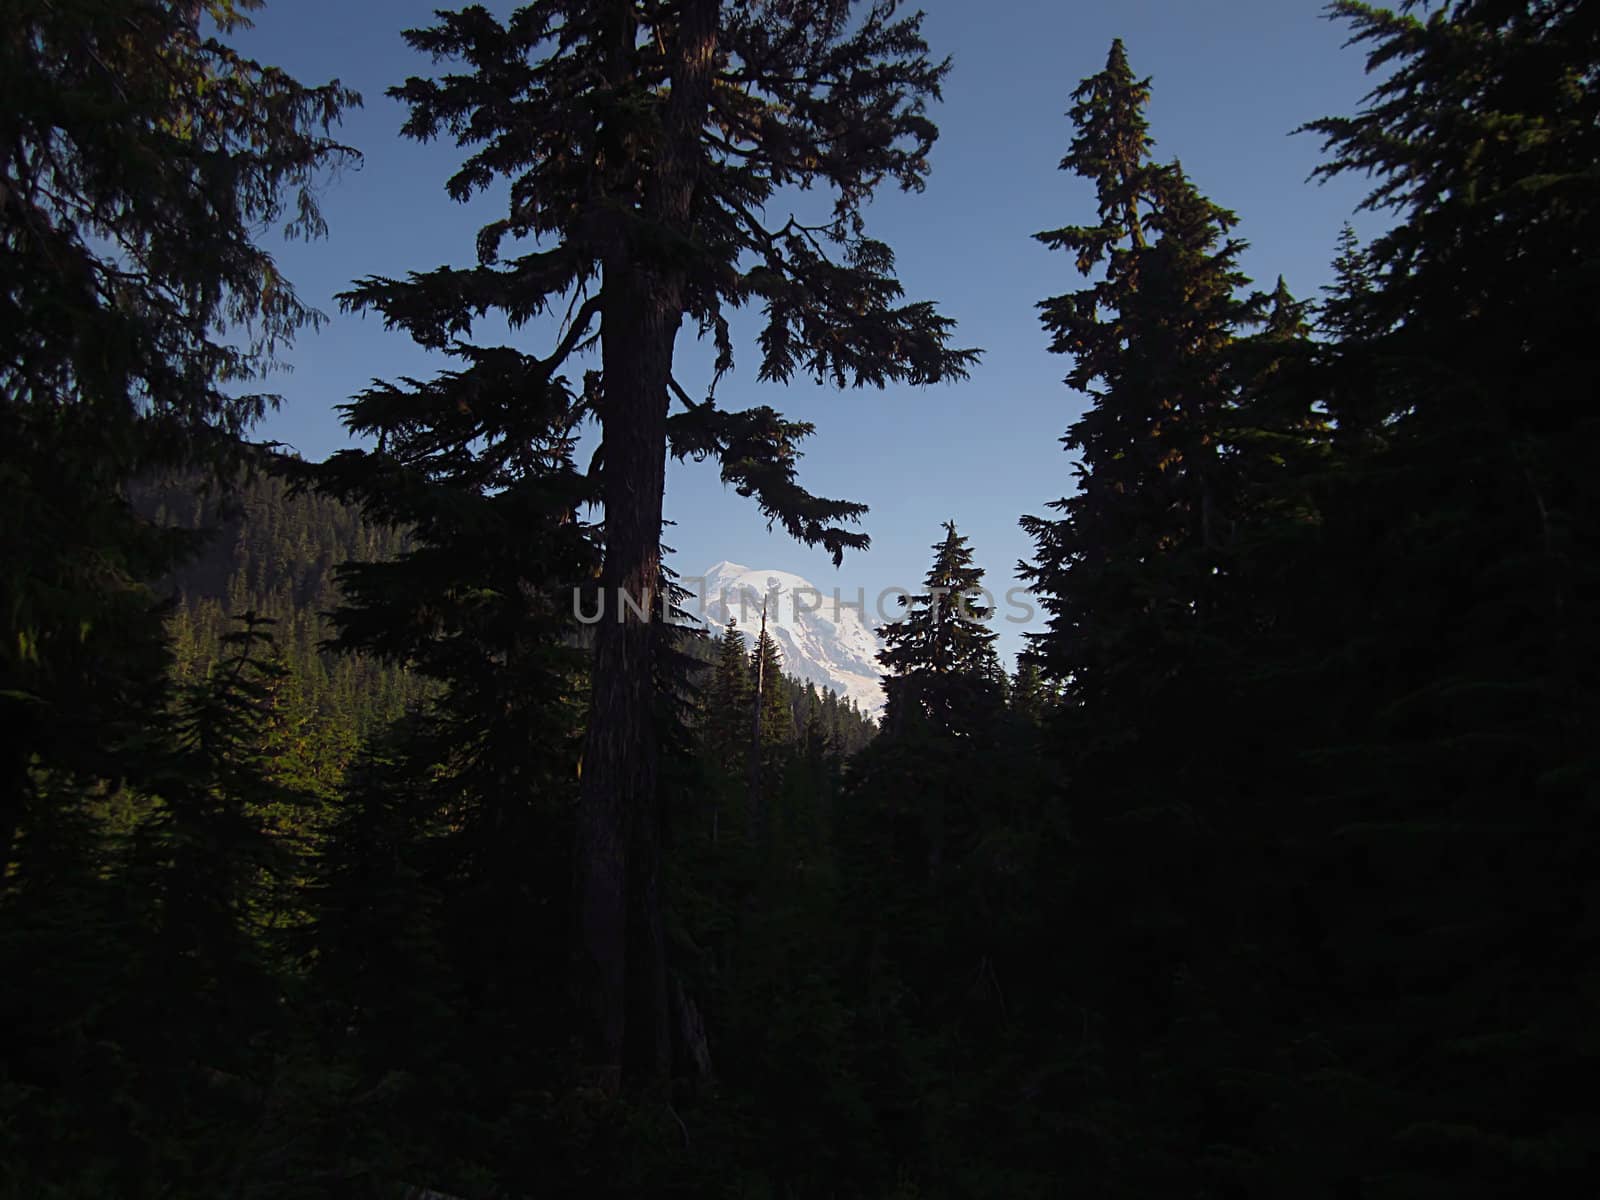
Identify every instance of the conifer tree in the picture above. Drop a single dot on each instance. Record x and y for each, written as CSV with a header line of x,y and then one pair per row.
x,y
728,699
1136,572
808,718
641,142
212,857
189,979
1276,444
940,655
725,726
1448,767
1350,320
1123,569
941,701
480,606
141,159
1028,696
380,972
774,731
810,784
1140,576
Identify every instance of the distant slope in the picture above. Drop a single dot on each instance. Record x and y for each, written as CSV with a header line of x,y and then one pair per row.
x,y
275,554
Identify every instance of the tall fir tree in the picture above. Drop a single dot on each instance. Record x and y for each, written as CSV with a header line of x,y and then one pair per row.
x,y
940,654
211,859
481,606
641,142
1122,571
728,698
1141,577
941,704
771,734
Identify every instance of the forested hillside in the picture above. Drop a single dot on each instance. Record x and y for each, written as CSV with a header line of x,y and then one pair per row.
x,y
275,553
273,550
338,858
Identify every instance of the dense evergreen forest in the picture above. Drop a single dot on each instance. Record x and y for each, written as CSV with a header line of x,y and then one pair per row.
x,y
339,860
274,551
268,551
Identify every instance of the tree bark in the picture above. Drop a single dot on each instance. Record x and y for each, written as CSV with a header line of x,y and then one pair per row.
x,y
622,978
618,824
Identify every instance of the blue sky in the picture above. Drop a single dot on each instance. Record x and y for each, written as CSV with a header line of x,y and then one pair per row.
x,y
1231,78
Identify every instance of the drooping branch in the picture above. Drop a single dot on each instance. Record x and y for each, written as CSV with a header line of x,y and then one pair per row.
x,y
434,306
757,450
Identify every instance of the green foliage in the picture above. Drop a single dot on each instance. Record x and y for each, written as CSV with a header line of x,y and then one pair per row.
x,y
267,549
141,160
169,946
730,690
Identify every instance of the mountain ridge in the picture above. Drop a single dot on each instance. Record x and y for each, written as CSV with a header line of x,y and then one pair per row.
x,y
823,637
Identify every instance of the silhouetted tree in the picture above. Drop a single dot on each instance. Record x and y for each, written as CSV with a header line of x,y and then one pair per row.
x,y
641,142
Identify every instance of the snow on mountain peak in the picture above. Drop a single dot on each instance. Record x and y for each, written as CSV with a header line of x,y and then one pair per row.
x,y
822,633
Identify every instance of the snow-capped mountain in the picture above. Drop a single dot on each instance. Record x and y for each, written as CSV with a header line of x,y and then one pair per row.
x,y
828,643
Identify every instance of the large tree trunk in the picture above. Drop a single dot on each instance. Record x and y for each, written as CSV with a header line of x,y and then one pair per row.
x,y
622,950
621,957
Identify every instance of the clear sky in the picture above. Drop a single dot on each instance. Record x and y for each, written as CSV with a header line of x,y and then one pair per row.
x,y
1231,78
